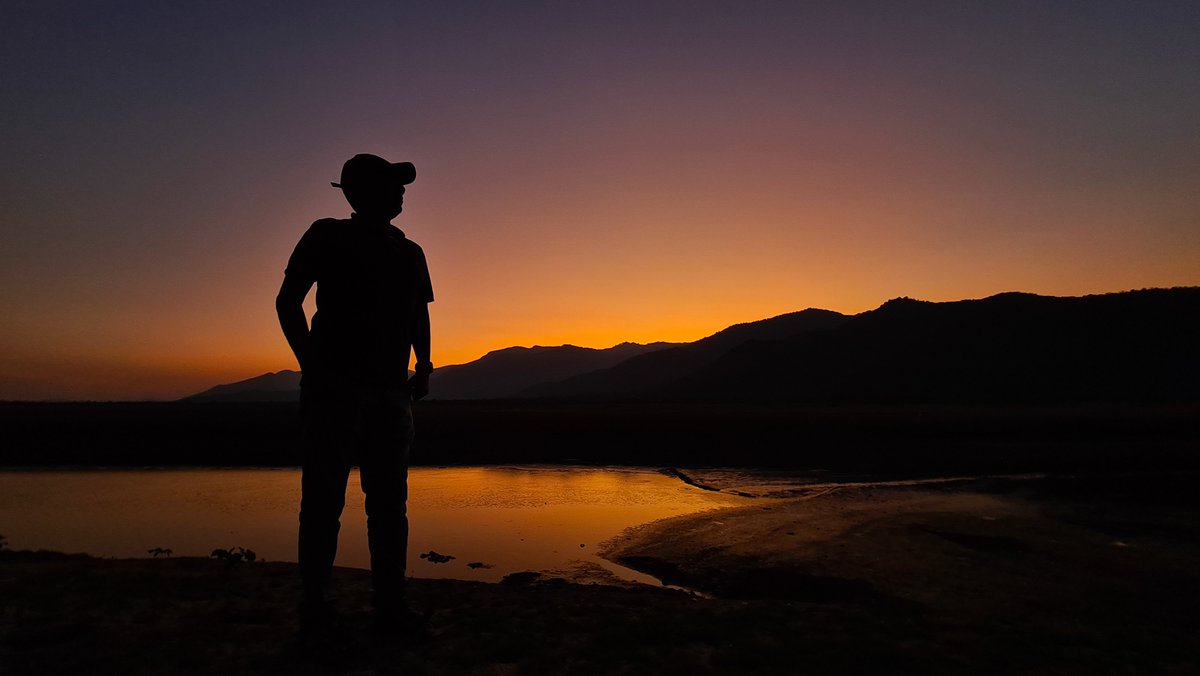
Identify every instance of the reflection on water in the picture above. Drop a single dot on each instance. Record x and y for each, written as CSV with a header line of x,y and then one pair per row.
x,y
512,519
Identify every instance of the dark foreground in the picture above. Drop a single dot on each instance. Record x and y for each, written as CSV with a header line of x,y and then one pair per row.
x,y
1057,575
913,440
195,616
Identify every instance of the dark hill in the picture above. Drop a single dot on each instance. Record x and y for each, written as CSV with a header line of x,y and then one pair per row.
x,y
648,372
506,373
278,386
1013,347
497,374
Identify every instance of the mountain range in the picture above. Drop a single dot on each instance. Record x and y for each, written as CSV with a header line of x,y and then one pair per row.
x,y
1011,347
279,386
514,370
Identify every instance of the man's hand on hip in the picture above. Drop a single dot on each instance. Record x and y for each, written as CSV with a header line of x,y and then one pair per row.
x,y
418,385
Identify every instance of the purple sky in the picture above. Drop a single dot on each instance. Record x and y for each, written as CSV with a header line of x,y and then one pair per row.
x,y
588,172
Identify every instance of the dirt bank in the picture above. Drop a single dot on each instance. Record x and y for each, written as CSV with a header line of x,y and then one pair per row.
x,y
1001,577
992,567
73,615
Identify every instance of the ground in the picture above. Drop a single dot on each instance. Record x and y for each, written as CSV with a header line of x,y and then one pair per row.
x,y
1039,575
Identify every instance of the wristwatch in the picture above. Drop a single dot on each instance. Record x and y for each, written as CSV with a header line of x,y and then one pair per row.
x,y
425,367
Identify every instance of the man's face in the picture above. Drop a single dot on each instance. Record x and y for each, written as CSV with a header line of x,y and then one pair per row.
x,y
376,200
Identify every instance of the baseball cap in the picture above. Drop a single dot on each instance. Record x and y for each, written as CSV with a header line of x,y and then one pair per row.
x,y
367,169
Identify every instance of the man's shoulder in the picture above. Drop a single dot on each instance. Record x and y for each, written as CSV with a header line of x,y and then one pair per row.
x,y
399,236
326,224
322,228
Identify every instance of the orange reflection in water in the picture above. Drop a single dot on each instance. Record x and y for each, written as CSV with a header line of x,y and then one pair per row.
x,y
512,519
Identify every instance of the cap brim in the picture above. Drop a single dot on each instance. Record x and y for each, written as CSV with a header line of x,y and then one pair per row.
x,y
405,173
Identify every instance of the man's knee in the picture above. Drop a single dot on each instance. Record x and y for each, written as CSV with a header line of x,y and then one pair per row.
x,y
386,505
322,502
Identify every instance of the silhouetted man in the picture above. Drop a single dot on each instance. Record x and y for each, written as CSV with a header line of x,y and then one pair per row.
x,y
373,291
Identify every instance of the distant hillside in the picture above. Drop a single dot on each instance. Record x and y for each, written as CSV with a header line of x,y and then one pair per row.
x,y
278,386
1013,347
648,372
496,375
511,371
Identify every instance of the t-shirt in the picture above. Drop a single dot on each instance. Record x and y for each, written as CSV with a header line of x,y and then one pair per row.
x,y
370,280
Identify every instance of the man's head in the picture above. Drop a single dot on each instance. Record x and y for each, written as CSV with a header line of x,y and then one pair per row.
x,y
374,187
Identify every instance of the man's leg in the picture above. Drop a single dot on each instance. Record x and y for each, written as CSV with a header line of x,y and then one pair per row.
x,y
384,471
328,431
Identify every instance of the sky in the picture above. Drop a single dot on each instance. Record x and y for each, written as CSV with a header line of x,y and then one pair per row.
x,y
588,172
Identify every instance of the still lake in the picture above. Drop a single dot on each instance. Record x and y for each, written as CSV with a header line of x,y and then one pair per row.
x,y
508,518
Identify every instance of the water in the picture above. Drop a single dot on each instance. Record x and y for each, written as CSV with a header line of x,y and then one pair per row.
x,y
511,519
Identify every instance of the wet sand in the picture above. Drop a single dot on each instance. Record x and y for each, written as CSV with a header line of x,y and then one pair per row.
x,y
1079,573
996,576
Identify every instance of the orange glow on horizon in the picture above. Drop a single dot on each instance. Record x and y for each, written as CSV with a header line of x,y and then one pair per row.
x,y
581,179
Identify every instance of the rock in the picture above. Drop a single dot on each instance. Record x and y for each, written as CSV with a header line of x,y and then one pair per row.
x,y
434,557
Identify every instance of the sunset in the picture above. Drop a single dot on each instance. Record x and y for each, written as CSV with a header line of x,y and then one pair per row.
x,y
600,338
588,174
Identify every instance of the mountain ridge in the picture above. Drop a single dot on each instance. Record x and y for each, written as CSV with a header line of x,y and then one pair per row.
x,y
1011,346
271,386
645,372
508,371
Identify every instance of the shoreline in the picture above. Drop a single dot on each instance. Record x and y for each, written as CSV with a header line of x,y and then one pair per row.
x,y
893,440
991,576
558,514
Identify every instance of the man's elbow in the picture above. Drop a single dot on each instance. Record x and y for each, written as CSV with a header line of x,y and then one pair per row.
x,y
285,305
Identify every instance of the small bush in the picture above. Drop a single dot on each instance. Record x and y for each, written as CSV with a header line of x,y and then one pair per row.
x,y
235,555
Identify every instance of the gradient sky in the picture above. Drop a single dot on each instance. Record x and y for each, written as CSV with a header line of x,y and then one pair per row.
x,y
588,173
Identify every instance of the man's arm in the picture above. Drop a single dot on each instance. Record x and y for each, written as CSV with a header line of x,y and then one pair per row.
x,y
289,305
419,383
